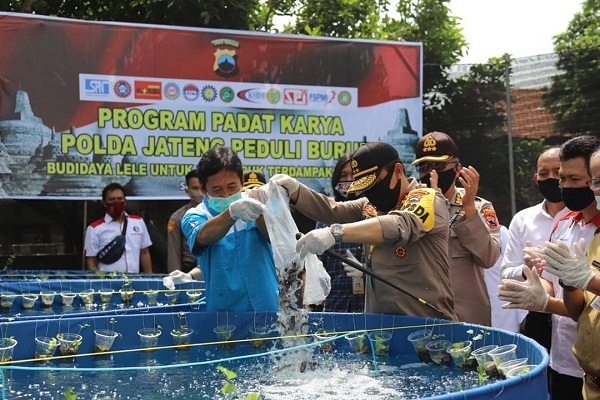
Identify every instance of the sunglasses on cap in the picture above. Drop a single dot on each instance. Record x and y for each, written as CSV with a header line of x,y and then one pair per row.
x,y
437,166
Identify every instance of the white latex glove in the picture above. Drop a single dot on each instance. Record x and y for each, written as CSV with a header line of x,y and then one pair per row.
x,y
290,184
529,295
572,269
315,242
176,277
351,271
259,194
246,209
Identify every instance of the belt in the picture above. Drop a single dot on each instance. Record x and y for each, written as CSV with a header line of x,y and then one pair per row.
x,y
592,379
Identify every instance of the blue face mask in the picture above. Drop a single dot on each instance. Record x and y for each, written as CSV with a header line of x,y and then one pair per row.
x,y
597,202
220,204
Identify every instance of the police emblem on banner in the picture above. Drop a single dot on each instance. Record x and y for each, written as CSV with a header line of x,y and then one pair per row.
x,y
225,64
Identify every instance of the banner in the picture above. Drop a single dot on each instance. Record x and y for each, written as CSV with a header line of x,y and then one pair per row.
x,y
83,104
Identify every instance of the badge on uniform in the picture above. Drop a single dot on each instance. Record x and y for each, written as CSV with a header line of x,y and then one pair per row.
x,y
489,215
419,202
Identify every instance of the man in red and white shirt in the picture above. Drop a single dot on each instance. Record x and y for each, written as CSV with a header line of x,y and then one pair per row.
x,y
100,232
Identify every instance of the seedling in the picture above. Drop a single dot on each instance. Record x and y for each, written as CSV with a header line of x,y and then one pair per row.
x,y
229,389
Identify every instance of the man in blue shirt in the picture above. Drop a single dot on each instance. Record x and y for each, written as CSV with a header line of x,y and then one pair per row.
x,y
227,234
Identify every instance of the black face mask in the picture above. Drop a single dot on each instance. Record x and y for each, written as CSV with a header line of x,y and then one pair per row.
x,y
550,190
576,199
381,196
445,179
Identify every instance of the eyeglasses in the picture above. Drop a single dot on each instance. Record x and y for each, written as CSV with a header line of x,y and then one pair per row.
x,y
594,183
438,166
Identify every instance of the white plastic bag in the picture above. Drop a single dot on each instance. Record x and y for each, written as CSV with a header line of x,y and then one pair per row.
x,y
282,233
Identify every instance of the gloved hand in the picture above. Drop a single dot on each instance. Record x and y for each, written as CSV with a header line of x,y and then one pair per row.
x,y
176,277
533,257
529,295
290,184
315,242
572,269
351,271
258,194
246,209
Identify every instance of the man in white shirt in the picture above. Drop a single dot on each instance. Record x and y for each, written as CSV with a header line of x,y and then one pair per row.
x,y
532,226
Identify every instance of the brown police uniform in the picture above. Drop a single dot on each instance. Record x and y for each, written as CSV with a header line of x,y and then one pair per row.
x,y
474,245
414,256
178,252
587,342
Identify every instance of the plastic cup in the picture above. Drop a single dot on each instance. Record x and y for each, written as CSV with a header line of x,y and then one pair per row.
x,y
149,338
106,296
67,298
193,295
481,354
381,341
419,340
510,364
6,300
104,340
48,298
87,296
461,354
438,352
503,353
29,300
172,297
45,347
68,343
151,297
224,335
258,334
182,337
358,343
7,346
521,370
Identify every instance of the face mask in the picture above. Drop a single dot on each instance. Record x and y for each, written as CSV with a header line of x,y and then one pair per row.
x,y
220,204
597,202
342,188
115,208
576,199
381,196
550,190
445,179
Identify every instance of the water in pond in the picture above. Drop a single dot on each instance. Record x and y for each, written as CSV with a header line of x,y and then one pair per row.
x,y
338,375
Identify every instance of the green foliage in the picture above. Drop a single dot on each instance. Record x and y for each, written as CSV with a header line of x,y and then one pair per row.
x,y
574,97
70,394
229,389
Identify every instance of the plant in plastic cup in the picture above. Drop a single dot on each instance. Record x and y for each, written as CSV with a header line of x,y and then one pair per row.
x,y
104,340
327,346
6,300
149,338
126,294
151,297
438,352
419,340
520,370
484,360
45,347
106,296
68,343
224,335
258,334
358,342
506,366
172,297
7,346
461,354
87,296
381,341
182,337
29,300
67,298
193,295
48,298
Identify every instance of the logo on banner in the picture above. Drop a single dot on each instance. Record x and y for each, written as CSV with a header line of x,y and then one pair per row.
x,y
225,64
209,93
171,91
296,97
323,98
345,98
191,92
147,90
96,87
226,94
122,89
273,96
252,95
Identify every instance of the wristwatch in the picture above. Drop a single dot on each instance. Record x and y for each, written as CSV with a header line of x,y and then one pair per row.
x,y
337,230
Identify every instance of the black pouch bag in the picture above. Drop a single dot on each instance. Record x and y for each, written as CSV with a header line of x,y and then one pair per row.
x,y
114,249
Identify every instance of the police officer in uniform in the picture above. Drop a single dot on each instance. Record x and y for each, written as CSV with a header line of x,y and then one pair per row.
x,y
474,243
404,228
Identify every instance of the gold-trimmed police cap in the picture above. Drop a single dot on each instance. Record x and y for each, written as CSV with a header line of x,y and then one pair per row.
x,y
435,147
253,179
367,162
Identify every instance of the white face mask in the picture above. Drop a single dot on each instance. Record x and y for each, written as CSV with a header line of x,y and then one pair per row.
x,y
220,204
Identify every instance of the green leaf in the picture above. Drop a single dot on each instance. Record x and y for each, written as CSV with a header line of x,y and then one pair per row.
x,y
228,374
70,395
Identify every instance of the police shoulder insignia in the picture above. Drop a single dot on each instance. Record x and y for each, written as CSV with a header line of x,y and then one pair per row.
x,y
420,203
369,211
170,226
489,214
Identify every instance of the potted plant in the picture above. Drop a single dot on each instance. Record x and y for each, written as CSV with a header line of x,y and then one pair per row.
x,y
105,337
224,334
48,298
67,298
126,292
149,337
327,346
151,297
381,341
358,342
106,296
45,346
461,355
438,352
182,334
193,295
419,340
6,300
7,346
68,343
29,300
172,297
87,296
258,334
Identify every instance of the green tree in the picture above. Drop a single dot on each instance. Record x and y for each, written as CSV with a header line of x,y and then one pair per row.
x,y
574,97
